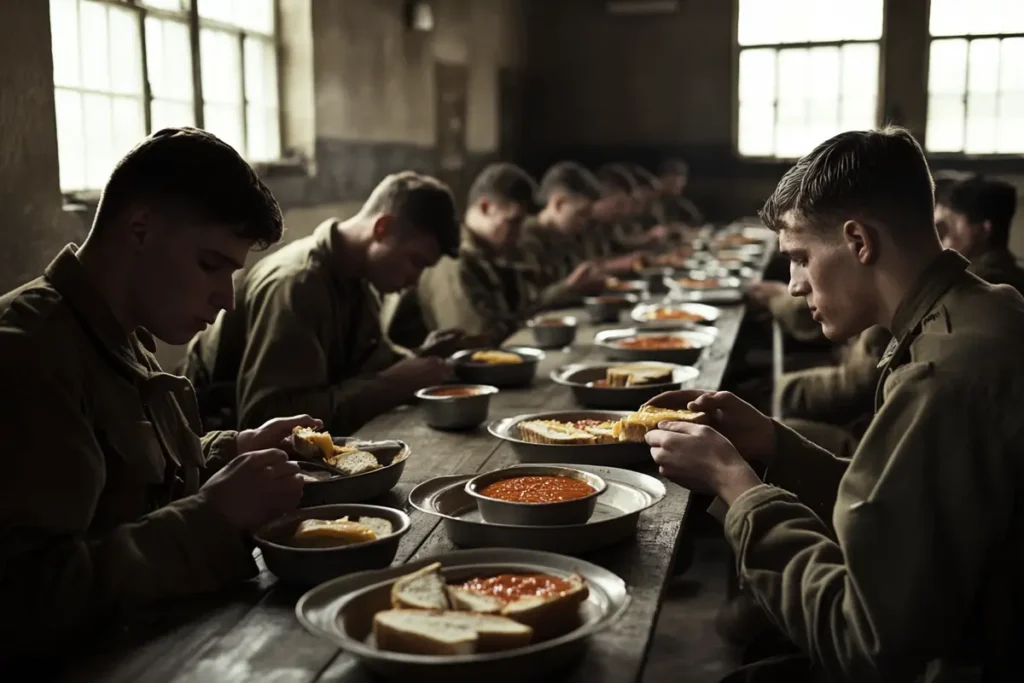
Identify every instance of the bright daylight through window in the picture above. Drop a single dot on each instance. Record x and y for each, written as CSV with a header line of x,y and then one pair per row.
x,y
975,77
124,68
808,69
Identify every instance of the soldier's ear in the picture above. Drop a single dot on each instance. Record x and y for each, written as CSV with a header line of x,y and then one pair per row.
x,y
862,241
484,206
382,226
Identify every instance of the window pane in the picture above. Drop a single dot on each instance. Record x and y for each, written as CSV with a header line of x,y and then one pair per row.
x,y
860,72
217,10
125,52
129,121
255,15
220,62
64,42
945,131
757,75
976,17
99,159
169,59
225,121
757,129
264,134
171,114
947,70
983,66
764,22
70,140
172,5
981,123
260,72
95,45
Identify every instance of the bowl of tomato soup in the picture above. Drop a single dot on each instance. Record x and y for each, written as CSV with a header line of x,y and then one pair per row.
x,y
536,495
456,406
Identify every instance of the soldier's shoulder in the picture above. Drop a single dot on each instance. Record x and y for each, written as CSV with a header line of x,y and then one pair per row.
x,y
37,326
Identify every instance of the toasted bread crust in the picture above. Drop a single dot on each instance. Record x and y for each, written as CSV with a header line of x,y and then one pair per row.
x,y
553,432
634,427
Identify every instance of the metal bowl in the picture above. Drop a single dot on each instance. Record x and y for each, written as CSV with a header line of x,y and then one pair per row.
x,y
575,511
608,307
332,488
617,286
501,376
553,332
456,412
644,312
580,377
623,454
342,612
310,566
609,341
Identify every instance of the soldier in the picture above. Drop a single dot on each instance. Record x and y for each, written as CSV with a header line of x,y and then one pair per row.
x,y
675,176
110,501
904,562
305,333
487,290
551,245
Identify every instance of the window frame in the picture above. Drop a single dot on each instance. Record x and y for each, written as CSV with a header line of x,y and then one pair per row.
x,y
946,156
738,49
194,22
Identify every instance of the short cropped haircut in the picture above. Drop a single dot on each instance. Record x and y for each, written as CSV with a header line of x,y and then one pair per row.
x,y
420,201
617,177
879,175
981,199
674,167
643,177
192,171
570,178
505,182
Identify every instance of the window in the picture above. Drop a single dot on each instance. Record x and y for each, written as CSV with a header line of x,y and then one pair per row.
x,y
808,69
125,68
975,79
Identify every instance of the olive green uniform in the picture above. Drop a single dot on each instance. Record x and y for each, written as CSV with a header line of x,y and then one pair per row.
x,y
905,562
672,209
480,292
99,512
549,256
304,338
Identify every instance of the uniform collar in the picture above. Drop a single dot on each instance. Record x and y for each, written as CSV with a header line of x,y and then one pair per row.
x,y
935,281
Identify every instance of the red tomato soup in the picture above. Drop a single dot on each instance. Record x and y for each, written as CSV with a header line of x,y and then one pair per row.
x,y
509,587
537,489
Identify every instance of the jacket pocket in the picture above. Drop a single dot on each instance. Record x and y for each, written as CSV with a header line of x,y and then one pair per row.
x,y
138,449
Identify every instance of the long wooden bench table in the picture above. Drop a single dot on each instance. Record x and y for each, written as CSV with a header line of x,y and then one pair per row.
x,y
251,634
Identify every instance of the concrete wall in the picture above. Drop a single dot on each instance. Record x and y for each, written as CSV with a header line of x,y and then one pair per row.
x,y
607,87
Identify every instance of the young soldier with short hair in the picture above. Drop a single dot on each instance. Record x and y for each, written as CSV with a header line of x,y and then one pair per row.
x,y
305,334
903,563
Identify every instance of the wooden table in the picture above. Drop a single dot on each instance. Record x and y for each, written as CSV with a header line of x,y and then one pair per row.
x,y
252,634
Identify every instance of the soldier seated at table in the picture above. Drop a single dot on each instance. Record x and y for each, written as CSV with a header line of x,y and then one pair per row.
x,y
488,289
111,502
551,244
305,334
903,563
676,207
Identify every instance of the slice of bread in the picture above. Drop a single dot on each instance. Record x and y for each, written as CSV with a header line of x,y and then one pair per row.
x,y
311,444
329,533
357,462
603,432
634,427
550,617
471,601
494,357
422,589
422,633
553,432
638,375
447,633
382,527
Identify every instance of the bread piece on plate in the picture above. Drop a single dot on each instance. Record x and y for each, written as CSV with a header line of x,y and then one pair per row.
x,y
382,527
638,374
356,462
311,444
333,532
552,432
471,601
447,633
494,357
634,427
550,617
603,432
422,589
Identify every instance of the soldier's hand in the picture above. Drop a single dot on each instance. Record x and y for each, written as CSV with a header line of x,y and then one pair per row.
x,y
766,290
412,374
750,431
255,488
657,234
587,279
443,343
274,433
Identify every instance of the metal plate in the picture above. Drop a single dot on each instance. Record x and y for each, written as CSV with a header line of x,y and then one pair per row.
x,y
361,487
342,610
643,313
698,336
606,454
501,376
578,375
615,517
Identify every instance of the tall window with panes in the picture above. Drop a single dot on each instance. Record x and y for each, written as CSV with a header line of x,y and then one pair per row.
x,y
808,69
976,77
125,68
